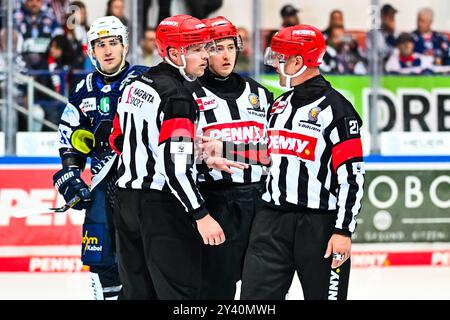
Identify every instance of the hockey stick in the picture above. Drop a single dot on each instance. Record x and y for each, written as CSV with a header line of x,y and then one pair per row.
x,y
34,211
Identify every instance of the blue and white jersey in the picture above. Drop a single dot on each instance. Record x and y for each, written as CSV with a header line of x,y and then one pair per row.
x,y
92,106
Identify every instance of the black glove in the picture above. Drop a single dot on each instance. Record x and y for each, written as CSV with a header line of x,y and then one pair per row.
x,y
69,183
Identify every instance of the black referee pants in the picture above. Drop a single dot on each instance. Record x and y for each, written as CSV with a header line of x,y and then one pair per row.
x,y
233,207
284,242
159,247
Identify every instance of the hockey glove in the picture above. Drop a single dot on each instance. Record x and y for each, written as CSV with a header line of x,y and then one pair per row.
x,y
70,185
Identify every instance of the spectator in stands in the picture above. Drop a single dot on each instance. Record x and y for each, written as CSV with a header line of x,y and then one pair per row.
x,y
76,32
349,59
164,11
19,92
59,62
59,58
336,20
329,64
429,42
57,9
148,54
342,54
201,9
404,60
243,65
388,24
117,8
289,16
384,38
36,28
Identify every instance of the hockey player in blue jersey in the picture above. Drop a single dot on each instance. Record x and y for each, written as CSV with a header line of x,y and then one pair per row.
x,y
84,130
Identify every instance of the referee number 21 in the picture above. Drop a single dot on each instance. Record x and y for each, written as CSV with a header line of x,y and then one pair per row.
x,y
354,128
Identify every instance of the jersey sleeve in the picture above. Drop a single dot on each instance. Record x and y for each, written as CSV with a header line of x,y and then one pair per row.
x,y
71,119
116,137
347,163
176,152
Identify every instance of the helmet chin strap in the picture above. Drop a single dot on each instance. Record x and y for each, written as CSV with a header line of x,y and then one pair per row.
x,y
289,77
182,68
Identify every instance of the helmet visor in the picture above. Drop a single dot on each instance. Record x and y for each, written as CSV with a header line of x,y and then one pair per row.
x,y
208,47
273,59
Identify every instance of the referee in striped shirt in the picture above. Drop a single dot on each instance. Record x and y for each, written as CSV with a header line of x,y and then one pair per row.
x,y
160,216
315,184
232,108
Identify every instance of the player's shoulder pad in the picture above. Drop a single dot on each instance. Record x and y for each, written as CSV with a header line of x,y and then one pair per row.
x,y
138,69
82,89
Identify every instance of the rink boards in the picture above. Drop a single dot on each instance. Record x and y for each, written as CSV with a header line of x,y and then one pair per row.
x,y
405,219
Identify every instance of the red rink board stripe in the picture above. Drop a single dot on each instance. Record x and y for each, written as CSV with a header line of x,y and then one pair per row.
x,y
359,260
42,264
406,258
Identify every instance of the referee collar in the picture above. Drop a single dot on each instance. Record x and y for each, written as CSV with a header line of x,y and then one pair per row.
x,y
230,87
310,91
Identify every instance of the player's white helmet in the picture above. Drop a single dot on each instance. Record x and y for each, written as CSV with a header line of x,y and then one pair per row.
x,y
108,26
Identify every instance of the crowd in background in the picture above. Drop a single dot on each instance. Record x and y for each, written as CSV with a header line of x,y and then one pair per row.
x,y
422,51
50,41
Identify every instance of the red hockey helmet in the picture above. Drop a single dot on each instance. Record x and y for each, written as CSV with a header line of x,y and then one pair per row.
x,y
180,31
220,27
304,40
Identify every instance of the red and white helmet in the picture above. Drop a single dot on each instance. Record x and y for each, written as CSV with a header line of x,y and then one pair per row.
x,y
303,40
179,32
222,28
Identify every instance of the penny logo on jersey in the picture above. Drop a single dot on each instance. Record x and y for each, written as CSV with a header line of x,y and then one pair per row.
x,y
239,131
285,142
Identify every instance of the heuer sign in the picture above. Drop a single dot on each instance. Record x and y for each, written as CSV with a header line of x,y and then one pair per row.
x,y
405,203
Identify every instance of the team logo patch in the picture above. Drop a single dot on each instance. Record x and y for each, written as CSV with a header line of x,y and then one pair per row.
x,y
278,107
206,103
358,168
92,242
313,114
88,104
254,100
103,33
181,147
104,105
106,88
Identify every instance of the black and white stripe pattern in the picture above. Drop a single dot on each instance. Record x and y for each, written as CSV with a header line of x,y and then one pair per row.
x,y
157,153
137,161
301,145
234,120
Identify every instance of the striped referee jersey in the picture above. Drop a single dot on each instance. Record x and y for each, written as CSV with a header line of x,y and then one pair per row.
x,y
314,142
232,109
154,133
